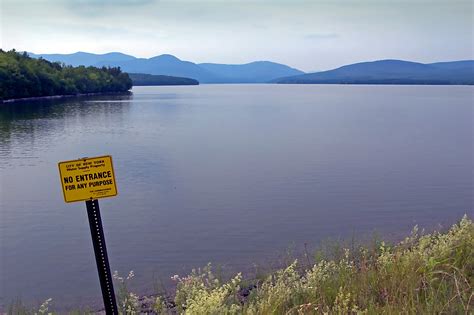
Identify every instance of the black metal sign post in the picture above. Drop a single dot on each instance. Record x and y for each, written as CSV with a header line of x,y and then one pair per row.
x,y
101,258
88,179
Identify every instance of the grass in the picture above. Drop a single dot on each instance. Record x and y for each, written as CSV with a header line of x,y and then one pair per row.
x,y
424,274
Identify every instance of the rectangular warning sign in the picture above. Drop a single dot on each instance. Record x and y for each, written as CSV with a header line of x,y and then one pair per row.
x,y
87,178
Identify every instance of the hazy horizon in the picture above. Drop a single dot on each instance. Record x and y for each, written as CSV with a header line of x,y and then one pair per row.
x,y
307,35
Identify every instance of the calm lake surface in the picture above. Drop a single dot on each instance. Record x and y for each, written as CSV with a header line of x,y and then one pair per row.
x,y
229,174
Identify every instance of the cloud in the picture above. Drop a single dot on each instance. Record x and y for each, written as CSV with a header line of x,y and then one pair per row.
x,y
305,34
101,3
320,36
95,8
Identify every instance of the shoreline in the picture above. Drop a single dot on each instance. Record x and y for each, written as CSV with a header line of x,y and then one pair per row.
x,y
58,97
419,273
55,97
310,286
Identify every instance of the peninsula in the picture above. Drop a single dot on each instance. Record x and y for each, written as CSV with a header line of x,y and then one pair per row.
x,y
24,77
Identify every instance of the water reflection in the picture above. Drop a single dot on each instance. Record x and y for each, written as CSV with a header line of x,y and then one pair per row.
x,y
59,108
29,125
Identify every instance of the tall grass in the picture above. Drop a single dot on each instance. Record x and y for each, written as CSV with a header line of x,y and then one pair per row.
x,y
424,274
429,274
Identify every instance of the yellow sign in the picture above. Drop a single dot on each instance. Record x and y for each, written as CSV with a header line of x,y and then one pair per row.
x,y
87,178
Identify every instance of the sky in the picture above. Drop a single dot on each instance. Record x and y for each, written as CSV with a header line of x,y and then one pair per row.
x,y
308,35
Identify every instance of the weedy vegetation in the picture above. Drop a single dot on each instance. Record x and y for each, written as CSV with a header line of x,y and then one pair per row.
x,y
423,274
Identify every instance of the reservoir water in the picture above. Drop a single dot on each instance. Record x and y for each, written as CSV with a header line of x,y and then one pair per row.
x,y
228,174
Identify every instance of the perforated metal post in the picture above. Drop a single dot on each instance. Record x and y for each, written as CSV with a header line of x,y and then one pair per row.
x,y
101,258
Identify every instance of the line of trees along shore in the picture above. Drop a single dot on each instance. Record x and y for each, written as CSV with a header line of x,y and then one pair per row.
x,y
23,77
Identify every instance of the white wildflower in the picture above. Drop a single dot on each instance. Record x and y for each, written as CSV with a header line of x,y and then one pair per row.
x,y
131,274
175,278
44,307
116,276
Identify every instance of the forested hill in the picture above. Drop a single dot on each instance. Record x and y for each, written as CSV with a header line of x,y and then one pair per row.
x,y
22,77
391,72
151,79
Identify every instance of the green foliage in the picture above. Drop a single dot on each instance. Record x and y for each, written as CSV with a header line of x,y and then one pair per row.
x,y
22,76
201,292
127,301
428,274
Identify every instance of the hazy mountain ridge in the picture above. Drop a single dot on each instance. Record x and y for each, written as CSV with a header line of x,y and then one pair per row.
x,y
163,65
391,71
84,58
254,72
257,71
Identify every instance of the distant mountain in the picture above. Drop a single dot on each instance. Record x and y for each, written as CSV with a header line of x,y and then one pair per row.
x,y
258,71
165,65
143,79
391,72
84,59
254,72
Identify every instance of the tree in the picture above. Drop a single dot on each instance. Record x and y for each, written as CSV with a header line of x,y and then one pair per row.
x,y
22,76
